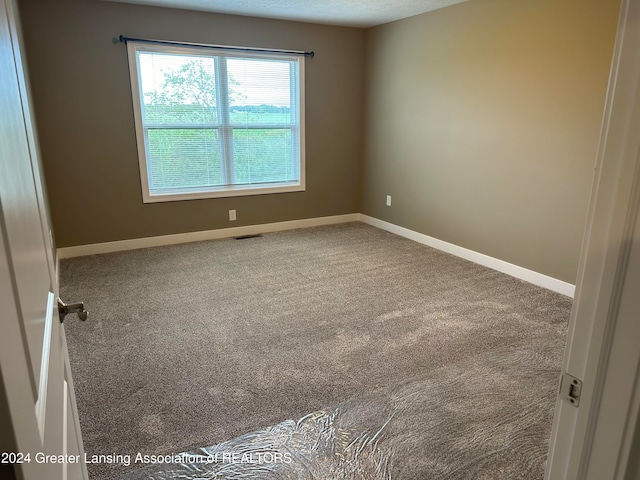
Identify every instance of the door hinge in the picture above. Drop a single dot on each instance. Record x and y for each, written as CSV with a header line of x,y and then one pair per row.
x,y
570,389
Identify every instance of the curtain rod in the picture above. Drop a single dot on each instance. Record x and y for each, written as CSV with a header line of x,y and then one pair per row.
x,y
124,40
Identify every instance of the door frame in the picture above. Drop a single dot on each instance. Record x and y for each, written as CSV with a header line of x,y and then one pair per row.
x,y
593,440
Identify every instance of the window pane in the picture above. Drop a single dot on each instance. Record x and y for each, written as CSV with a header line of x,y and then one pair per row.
x,y
177,89
263,155
260,91
183,158
210,120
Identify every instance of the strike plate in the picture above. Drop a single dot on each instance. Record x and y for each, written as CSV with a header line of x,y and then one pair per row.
x,y
570,388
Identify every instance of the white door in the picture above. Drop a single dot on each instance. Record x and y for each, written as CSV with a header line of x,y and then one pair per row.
x,y
39,412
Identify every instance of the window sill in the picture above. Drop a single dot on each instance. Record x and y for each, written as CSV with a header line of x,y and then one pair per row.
x,y
229,191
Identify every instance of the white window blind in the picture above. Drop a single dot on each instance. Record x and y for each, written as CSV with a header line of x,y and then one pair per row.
x,y
213,123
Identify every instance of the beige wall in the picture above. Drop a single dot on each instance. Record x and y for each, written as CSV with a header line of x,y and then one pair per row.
x,y
483,121
480,119
82,100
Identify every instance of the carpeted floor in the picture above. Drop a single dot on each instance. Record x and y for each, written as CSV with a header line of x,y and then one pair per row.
x,y
362,354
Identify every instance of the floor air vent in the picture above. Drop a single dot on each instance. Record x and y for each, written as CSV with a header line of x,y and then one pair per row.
x,y
244,237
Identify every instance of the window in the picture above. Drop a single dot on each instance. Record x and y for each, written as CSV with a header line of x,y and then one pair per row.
x,y
215,122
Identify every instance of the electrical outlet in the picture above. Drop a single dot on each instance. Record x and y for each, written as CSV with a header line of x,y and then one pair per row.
x,y
388,200
232,215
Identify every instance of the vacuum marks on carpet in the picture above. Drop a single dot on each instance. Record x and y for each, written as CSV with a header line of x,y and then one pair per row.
x,y
472,420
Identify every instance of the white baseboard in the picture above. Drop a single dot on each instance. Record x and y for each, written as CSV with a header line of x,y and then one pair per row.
x,y
485,260
500,265
132,244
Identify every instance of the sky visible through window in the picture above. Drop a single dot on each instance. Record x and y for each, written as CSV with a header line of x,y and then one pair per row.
x,y
254,82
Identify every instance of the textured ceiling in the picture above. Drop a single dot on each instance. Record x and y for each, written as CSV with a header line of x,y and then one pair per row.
x,y
353,13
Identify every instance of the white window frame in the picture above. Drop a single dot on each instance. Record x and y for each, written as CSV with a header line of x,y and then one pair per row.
x,y
229,190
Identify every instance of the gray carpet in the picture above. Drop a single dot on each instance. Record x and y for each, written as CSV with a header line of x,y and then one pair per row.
x,y
360,353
